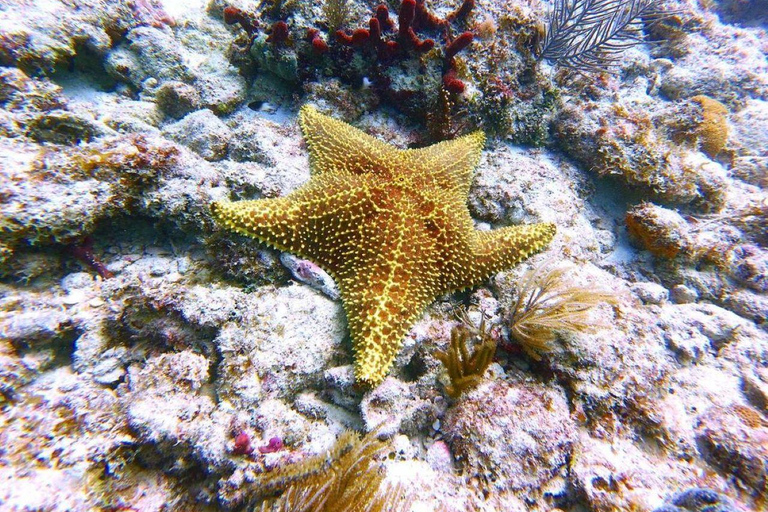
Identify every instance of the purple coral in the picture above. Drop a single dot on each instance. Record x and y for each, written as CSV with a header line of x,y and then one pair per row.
x,y
275,445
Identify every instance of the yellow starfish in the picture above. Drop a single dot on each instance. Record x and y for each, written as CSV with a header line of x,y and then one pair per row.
x,y
391,226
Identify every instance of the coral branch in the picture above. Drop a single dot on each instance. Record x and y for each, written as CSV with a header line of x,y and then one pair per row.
x,y
458,44
247,21
279,33
382,15
319,46
453,84
462,12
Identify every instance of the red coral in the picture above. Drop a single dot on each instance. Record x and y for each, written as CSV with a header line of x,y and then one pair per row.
x,y
318,45
425,20
452,83
360,37
406,33
247,21
462,12
279,33
458,44
382,15
242,444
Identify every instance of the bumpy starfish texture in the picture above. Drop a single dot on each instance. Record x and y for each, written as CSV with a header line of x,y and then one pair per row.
x,y
391,227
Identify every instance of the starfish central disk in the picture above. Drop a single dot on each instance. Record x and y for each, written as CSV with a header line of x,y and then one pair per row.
x,y
391,226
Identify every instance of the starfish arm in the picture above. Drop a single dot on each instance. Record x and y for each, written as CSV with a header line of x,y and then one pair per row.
x,y
493,251
303,221
336,146
384,296
449,165
268,220
378,329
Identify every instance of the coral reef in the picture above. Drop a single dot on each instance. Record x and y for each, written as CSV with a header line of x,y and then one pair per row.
x,y
627,141
151,361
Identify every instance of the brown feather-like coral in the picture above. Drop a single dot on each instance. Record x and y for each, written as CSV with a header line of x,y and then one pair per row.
x,y
466,370
547,302
345,479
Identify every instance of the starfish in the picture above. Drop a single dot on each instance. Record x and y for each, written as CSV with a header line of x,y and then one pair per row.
x,y
391,227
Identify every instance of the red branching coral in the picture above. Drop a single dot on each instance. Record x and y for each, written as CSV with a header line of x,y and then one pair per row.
x,y
319,46
246,20
406,34
451,83
458,44
462,12
372,36
279,33
382,15
425,20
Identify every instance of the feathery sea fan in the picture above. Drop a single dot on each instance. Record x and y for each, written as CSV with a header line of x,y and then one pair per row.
x,y
348,477
547,302
588,35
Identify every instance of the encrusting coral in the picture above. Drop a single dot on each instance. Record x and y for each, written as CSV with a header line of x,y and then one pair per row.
x,y
548,303
347,477
464,370
390,226
712,131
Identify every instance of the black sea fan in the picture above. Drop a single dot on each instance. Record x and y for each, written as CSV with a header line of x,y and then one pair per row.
x,y
588,35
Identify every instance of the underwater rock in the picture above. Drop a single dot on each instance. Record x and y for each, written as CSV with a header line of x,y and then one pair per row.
x,y
203,133
512,436
511,183
158,55
613,474
750,144
697,500
166,409
64,127
722,62
177,99
268,353
60,32
221,92
650,293
755,386
623,140
89,183
393,407
661,231
23,94
735,439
